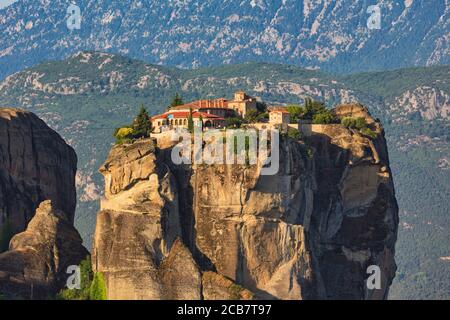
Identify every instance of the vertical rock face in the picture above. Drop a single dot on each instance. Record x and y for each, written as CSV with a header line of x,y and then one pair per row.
x,y
225,231
36,263
35,165
355,217
37,193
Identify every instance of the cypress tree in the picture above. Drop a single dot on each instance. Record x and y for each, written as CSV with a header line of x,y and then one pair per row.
x,y
190,122
142,126
176,101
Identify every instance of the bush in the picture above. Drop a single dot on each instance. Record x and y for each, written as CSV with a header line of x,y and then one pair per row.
x,y
293,133
251,116
262,116
234,123
358,124
123,135
141,128
354,123
296,112
312,108
325,117
369,132
98,288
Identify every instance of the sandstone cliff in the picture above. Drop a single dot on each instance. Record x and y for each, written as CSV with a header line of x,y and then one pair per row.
x,y
37,193
35,265
35,165
227,232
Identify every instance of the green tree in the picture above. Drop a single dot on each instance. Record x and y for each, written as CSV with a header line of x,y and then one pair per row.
x,y
293,133
98,288
325,117
360,123
354,123
369,132
234,123
190,122
142,126
6,233
251,116
262,116
123,135
177,100
295,112
348,122
312,108
261,107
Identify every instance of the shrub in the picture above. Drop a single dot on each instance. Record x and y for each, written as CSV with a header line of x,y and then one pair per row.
x,y
354,123
348,122
98,288
235,292
369,132
234,123
141,128
325,117
251,116
293,133
358,124
262,116
312,108
295,112
123,135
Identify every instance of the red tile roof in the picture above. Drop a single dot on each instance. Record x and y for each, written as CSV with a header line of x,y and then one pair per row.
x,y
204,104
185,114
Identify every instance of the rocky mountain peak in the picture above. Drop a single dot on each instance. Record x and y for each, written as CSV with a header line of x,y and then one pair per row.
x,y
308,232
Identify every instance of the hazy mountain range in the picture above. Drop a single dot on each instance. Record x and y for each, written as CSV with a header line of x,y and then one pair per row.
x,y
329,34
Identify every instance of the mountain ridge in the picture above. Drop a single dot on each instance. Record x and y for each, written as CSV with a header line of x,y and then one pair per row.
x,y
84,103
331,35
